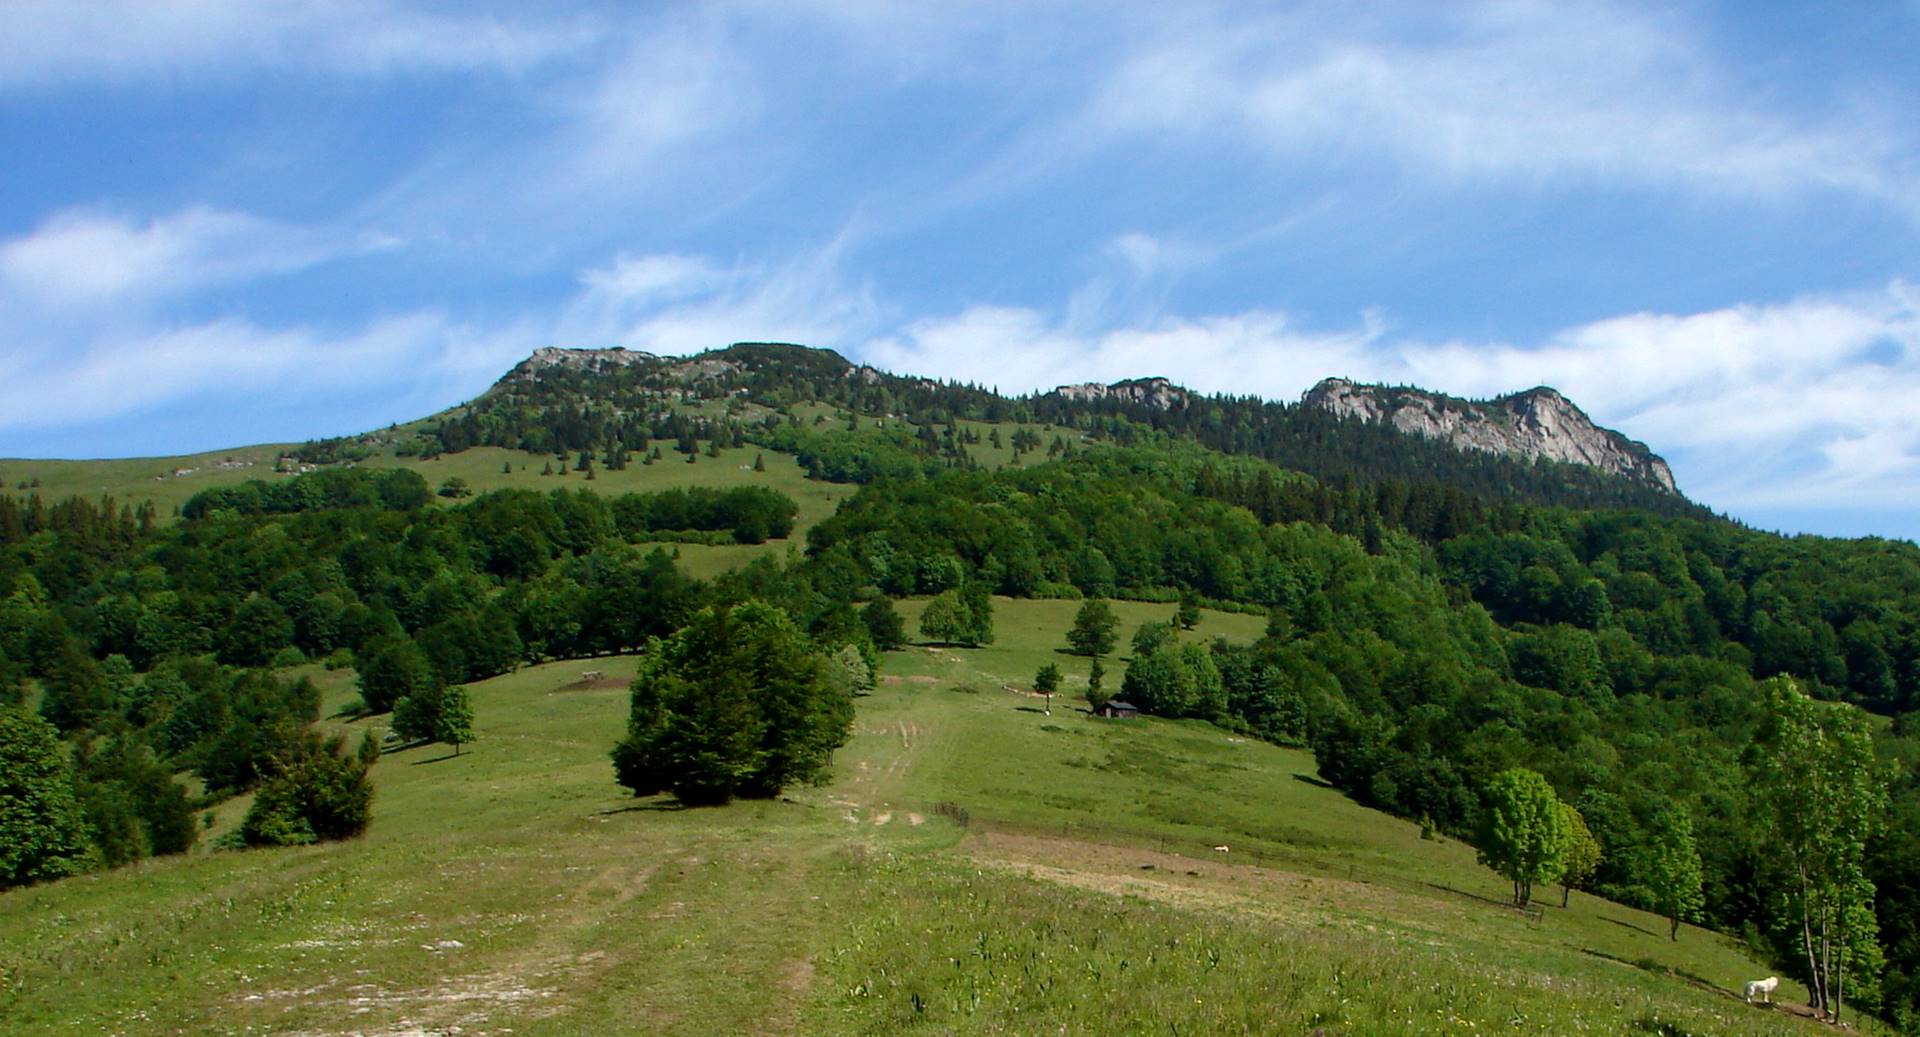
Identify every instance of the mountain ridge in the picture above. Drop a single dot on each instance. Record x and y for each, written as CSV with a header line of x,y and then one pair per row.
x,y
1535,423
1538,424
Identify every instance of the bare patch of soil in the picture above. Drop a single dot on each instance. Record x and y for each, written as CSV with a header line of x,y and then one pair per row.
x,y
1214,885
596,684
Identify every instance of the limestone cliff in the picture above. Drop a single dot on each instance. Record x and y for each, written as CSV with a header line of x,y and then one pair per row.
x,y
1154,392
1537,423
577,360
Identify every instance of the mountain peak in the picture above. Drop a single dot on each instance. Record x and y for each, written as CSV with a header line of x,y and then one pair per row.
x,y
1537,423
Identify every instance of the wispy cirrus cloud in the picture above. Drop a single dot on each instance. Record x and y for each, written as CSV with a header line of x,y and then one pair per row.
x,y
1517,93
91,259
56,43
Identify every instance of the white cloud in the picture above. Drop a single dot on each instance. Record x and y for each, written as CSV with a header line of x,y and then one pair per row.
x,y
227,360
1021,350
58,42
669,90
91,259
630,279
674,304
1516,91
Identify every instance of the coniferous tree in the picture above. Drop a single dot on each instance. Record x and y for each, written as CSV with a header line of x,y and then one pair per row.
x,y
1093,627
884,624
1187,616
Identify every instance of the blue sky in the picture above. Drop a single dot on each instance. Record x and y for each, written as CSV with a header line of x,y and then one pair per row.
x,y
225,222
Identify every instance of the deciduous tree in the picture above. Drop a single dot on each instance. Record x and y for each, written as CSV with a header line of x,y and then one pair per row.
x,y
1523,833
1822,796
1582,858
1673,868
316,791
42,835
736,703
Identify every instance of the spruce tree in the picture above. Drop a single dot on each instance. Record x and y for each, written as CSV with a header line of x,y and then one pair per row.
x,y
884,624
1093,628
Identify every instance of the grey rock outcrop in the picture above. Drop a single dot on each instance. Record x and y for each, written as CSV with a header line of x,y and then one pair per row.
x,y
1535,424
577,360
1154,392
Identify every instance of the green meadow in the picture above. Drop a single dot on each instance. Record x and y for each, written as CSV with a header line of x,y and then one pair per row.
x,y
974,865
168,482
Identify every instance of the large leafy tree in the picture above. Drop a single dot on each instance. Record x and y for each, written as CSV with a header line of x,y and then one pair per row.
x,y
1176,681
959,616
1822,797
943,620
1523,832
391,668
42,834
442,713
737,703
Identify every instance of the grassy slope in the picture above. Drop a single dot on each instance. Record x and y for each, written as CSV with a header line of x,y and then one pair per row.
x,y
133,480
856,907
138,479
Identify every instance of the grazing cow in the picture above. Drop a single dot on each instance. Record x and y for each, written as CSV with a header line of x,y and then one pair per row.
x,y
1763,987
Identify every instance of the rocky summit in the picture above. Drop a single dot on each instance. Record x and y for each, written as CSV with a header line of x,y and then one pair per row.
x,y
1537,423
1154,392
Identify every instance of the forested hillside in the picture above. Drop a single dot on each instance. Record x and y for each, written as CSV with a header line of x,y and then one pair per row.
x,y
746,392
1433,618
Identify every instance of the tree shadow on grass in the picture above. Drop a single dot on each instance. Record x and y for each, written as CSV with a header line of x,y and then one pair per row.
x,y
1656,968
1496,902
1316,782
1630,925
436,759
656,806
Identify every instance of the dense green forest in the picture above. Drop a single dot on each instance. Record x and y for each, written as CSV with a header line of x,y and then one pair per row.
x,y
1434,619
154,651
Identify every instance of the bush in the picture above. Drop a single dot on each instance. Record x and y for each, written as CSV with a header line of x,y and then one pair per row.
x,y
317,792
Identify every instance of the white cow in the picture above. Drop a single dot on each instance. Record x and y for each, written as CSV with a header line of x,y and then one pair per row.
x,y
1762,987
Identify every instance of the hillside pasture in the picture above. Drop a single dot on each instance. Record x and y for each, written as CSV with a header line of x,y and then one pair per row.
x,y
973,866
